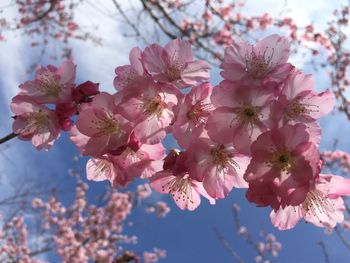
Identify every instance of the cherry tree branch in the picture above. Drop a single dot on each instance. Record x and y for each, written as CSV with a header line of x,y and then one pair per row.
x,y
227,246
342,238
128,21
324,251
8,137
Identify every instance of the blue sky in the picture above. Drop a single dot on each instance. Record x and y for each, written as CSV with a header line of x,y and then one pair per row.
x,y
187,236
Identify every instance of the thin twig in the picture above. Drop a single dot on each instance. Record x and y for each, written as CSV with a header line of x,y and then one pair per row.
x,y
8,137
128,21
40,251
227,246
342,238
180,30
324,251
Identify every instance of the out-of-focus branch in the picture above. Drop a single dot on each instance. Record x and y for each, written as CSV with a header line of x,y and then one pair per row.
x,y
157,20
342,238
324,251
128,21
40,251
335,76
45,13
181,32
227,246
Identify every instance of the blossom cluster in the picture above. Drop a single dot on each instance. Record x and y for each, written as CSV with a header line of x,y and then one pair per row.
x,y
83,232
257,129
14,242
341,158
44,106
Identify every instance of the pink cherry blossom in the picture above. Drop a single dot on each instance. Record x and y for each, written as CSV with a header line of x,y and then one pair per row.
x,y
283,167
185,191
105,168
174,63
151,107
218,166
322,207
34,122
242,113
107,129
263,63
192,115
144,162
298,102
153,257
128,74
51,84
176,181
123,168
162,209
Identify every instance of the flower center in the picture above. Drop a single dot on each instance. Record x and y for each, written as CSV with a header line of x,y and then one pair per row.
x,y
180,188
38,121
258,65
282,161
48,84
199,112
174,67
248,113
222,158
173,72
295,109
154,106
108,125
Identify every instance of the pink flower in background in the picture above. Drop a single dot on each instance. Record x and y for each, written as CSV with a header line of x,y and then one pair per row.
x,y
34,122
128,74
106,128
192,114
284,164
323,206
264,63
342,158
218,166
152,257
51,84
174,63
176,181
242,113
162,209
151,107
